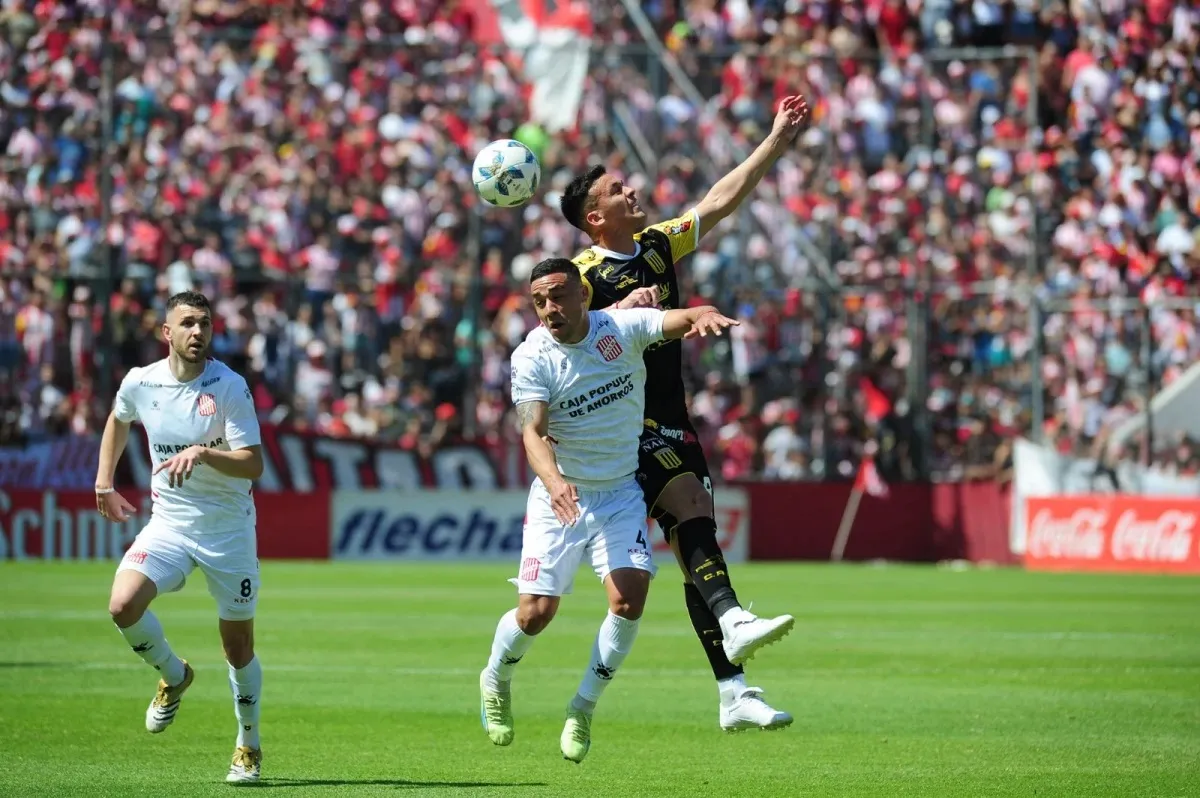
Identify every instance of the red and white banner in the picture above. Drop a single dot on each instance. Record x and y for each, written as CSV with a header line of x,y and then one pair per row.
x,y
757,521
1113,533
65,525
553,39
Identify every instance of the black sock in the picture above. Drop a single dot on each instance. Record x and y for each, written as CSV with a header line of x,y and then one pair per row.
x,y
709,632
702,557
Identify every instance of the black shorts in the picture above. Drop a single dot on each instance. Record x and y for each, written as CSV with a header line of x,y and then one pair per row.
x,y
664,455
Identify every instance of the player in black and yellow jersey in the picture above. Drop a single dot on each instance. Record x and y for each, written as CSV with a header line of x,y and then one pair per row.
x,y
631,264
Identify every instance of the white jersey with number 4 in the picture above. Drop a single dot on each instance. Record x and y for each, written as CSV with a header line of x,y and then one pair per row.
x,y
595,390
213,410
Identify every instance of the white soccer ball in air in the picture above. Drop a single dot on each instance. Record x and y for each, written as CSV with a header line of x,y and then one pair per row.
x,y
506,173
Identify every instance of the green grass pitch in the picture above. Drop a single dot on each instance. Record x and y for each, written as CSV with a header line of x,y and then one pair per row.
x,y
904,680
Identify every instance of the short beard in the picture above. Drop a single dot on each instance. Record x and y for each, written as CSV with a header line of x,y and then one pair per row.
x,y
187,357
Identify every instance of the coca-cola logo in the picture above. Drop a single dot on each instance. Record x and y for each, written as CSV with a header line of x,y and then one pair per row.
x,y
1091,533
1165,538
1079,536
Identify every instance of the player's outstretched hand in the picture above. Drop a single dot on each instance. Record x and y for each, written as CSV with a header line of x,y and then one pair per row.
x,y
792,116
113,506
564,500
640,298
710,324
179,467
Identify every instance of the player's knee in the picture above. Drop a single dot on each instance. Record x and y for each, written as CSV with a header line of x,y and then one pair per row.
x,y
686,498
628,607
535,614
130,597
129,601
126,609
627,589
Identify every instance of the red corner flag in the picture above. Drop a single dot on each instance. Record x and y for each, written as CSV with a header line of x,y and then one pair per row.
x,y
868,479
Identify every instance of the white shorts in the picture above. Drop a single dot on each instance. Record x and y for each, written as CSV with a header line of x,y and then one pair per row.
x,y
611,531
229,562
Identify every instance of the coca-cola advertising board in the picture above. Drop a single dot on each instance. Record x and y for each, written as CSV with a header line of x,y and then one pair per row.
x,y
1113,533
1042,472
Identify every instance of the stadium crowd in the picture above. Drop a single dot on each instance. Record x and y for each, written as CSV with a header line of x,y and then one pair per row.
x,y
307,164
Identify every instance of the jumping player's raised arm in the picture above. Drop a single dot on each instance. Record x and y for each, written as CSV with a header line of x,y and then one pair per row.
x,y
729,192
632,264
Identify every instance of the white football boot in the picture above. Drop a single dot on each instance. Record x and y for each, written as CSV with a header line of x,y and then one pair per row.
x,y
747,710
745,633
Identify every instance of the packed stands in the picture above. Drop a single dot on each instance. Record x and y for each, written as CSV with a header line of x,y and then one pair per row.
x,y
306,165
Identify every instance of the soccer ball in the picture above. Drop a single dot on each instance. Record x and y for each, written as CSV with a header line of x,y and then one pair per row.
x,y
506,173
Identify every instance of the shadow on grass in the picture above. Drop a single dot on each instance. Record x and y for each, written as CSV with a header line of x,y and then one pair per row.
x,y
401,783
36,665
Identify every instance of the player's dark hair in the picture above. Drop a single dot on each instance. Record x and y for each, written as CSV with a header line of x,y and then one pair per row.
x,y
555,266
191,299
576,200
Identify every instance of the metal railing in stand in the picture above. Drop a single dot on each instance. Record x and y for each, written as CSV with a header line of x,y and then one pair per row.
x,y
104,255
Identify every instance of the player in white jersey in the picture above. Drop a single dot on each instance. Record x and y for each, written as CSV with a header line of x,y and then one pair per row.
x,y
578,382
204,439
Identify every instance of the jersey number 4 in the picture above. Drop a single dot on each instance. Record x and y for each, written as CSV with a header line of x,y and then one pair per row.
x,y
641,538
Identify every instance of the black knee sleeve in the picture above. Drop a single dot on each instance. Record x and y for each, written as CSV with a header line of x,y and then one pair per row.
x,y
702,557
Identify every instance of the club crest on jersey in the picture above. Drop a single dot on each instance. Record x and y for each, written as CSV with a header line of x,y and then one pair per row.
x,y
609,348
680,226
207,403
530,567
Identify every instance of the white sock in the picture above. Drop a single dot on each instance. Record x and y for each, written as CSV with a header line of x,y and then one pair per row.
x,y
247,693
732,688
508,646
147,641
613,643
